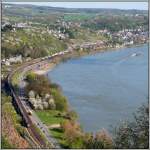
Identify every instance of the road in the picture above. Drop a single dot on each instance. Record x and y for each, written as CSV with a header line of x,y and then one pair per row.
x,y
44,129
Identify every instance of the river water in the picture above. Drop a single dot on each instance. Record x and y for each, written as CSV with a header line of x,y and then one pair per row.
x,y
105,88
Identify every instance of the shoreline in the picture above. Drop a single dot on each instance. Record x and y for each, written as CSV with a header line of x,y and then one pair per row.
x,y
59,59
77,54
44,71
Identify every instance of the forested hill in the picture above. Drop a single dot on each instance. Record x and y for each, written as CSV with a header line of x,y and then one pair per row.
x,y
31,10
45,29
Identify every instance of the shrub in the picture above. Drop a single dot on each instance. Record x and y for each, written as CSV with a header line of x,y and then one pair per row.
x,y
72,134
31,77
54,86
5,98
38,83
134,134
60,100
45,105
31,94
49,93
5,144
51,103
72,115
101,140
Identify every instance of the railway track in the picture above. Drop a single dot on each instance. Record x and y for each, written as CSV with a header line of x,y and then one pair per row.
x,y
30,126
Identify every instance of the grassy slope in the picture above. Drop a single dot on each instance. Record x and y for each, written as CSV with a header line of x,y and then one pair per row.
x,y
49,117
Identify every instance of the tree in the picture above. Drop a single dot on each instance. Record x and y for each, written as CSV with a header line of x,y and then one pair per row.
x,y
31,94
60,100
102,140
45,105
7,27
134,134
38,83
105,139
73,134
31,77
72,115
51,103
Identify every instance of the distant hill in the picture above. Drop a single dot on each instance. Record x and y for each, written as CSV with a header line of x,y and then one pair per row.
x,y
31,10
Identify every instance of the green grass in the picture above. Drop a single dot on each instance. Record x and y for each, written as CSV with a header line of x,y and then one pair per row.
x,y
59,135
49,116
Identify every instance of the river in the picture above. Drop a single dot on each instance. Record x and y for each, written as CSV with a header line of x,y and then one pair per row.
x,y
105,88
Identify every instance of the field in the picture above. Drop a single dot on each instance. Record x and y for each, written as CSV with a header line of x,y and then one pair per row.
x,y
49,117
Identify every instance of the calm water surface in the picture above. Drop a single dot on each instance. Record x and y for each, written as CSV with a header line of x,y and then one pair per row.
x,y
105,88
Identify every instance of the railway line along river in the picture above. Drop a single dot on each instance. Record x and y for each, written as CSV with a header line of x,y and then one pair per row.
x,y
105,88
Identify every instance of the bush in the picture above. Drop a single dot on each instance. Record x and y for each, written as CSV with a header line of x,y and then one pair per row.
x,y
5,98
72,115
102,140
21,130
134,134
72,134
52,104
60,100
5,144
55,86
38,83
31,77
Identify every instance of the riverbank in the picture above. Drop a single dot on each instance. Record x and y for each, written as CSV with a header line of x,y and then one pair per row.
x,y
76,54
56,61
91,84
44,70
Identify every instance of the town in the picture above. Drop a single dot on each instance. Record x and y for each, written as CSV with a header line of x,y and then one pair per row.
x,y
125,37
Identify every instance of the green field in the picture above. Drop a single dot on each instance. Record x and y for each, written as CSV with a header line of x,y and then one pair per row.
x,y
50,117
59,135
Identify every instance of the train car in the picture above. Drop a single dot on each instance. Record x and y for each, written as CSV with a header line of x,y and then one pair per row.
x,y
29,112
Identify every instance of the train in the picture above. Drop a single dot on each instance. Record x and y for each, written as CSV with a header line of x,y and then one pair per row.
x,y
29,66
28,122
56,54
29,112
25,113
